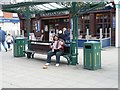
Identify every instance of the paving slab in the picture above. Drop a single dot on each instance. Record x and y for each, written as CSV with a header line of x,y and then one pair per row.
x,y
28,73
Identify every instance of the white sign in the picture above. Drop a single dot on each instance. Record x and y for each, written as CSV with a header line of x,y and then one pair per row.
x,y
5,1
1,13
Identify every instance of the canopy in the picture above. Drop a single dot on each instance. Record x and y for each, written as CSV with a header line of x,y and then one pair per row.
x,y
48,8
52,8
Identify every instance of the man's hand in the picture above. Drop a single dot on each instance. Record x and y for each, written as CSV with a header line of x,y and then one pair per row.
x,y
51,46
62,42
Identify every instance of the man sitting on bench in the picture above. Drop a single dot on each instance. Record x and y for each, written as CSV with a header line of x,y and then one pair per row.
x,y
57,48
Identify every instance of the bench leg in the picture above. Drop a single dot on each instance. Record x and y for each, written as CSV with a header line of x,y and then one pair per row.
x,y
68,62
32,55
68,59
28,55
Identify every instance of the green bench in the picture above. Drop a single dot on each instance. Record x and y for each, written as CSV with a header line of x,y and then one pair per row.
x,y
43,49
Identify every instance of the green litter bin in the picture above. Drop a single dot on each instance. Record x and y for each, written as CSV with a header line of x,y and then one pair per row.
x,y
92,55
19,47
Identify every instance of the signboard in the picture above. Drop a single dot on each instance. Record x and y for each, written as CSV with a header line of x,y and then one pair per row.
x,y
38,26
9,20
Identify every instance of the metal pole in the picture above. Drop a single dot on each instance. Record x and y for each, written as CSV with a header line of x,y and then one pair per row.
x,y
101,36
110,35
117,30
28,24
105,32
76,29
74,41
87,35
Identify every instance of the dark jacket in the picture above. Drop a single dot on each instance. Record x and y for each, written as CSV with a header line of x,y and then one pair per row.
x,y
2,35
67,35
61,36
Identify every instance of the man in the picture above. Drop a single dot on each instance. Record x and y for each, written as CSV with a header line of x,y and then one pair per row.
x,y
9,40
61,35
67,34
2,39
57,48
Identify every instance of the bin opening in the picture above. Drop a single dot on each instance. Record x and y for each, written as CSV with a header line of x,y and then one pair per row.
x,y
88,47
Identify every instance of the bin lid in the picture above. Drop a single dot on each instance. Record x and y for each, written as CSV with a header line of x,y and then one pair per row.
x,y
92,42
19,38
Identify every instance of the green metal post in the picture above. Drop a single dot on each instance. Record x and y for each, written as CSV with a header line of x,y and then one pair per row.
x,y
76,34
28,24
74,41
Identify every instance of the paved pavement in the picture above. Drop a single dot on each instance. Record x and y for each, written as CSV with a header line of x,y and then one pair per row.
x,y
28,73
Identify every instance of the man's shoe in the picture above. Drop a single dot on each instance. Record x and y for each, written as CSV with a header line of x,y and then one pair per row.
x,y
6,49
57,64
47,64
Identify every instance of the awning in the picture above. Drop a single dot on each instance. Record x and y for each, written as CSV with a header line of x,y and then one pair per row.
x,y
52,8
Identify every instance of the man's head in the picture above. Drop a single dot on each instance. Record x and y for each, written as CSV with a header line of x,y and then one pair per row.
x,y
60,32
8,34
55,37
64,29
